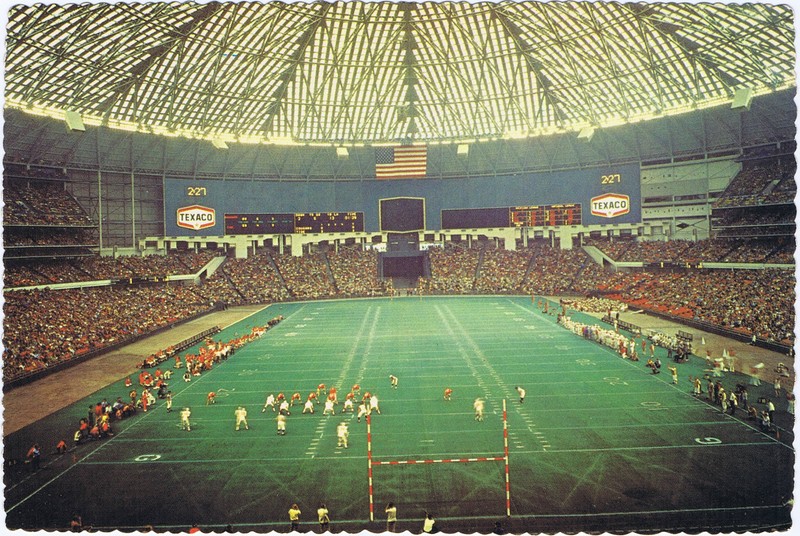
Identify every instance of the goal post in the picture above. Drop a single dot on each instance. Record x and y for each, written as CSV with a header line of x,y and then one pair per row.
x,y
499,458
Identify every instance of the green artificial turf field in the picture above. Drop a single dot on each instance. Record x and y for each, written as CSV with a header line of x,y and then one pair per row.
x,y
599,443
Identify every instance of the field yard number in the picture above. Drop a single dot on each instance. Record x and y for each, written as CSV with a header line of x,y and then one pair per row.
x,y
613,380
653,406
707,440
585,362
147,457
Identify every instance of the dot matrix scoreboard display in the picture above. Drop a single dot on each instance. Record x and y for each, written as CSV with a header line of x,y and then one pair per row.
x,y
329,222
297,223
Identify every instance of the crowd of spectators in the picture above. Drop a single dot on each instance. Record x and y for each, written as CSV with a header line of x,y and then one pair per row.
x,y
95,268
651,251
749,218
356,272
453,270
613,248
501,271
61,236
41,203
306,277
761,182
553,270
254,280
759,302
44,327
738,250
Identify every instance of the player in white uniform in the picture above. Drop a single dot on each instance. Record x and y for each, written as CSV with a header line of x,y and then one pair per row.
x,y
373,404
362,410
348,405
478,405
328,407
342,433
308,406
269,403
241,418
281,424
185,414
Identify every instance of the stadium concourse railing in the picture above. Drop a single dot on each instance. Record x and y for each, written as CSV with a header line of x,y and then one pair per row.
x,y
32,376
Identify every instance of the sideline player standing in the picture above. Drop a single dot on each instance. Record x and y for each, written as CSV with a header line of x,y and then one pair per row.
x,y
294,517
324,518
674,372
391,517
241,418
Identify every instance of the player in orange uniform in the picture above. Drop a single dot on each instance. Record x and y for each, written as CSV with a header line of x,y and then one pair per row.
x,y
295,398
448,393
211,398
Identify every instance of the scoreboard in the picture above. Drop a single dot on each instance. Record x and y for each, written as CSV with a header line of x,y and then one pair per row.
x,y
545,215
523,216
236,224
329,222
288,223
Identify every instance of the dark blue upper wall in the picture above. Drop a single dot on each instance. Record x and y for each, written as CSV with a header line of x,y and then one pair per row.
x,y
264,196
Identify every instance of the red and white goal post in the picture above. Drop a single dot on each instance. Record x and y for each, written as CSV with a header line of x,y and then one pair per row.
x,y
504,458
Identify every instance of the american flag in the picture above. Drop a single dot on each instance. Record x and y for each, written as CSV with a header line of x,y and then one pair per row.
x,y
402,162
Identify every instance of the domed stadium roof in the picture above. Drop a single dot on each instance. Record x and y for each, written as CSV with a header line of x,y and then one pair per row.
x,y
364,72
